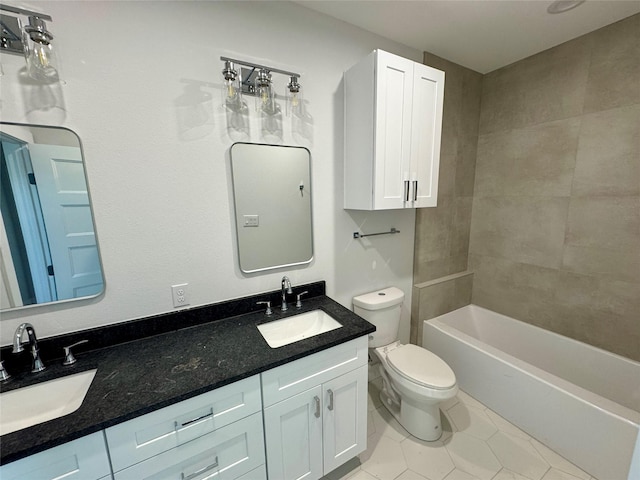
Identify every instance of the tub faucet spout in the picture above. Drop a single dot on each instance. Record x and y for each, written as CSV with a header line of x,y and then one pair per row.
x,y
18,347
285,288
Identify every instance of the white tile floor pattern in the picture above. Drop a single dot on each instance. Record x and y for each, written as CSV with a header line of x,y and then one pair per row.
x,y
477,444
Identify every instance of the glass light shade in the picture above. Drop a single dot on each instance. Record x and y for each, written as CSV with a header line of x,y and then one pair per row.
x,y
232,91
41,62
38,51
294,103
294,97
264,93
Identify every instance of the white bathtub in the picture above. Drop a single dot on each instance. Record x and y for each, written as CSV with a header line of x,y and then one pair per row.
x,y
579,400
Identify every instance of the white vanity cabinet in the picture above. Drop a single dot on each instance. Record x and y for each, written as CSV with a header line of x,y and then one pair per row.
x,y
217,434
393,124
82,459
315,413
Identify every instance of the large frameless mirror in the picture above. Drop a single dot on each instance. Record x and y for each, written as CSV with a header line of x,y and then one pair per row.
x,y
48,246
272,196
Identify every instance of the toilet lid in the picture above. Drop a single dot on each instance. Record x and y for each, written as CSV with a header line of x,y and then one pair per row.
x,y
421,366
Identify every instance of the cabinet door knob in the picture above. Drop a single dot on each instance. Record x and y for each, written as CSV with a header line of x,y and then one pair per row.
x,y
316,401
330,392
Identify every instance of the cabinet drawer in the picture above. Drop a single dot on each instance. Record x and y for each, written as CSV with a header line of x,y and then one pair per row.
x,y
136,440
300,375
85,458
227,453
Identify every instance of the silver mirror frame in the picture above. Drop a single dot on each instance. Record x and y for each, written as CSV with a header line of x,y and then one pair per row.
x,y
93,222
286,229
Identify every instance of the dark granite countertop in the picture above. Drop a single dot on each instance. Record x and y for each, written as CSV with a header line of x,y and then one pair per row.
x,y
147,374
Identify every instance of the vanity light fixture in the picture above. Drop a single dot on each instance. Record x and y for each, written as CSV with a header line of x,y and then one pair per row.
x,y
33,41
256,80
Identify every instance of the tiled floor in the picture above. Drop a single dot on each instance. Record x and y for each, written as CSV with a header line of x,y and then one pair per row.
x,y
477,444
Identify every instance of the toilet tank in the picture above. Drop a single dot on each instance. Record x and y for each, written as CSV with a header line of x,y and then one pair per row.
x,y
382,308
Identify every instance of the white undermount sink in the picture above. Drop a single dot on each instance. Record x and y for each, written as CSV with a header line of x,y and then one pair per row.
x,y
28,406
296,328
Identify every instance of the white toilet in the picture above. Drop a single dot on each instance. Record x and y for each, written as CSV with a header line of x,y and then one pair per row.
x,y
415,380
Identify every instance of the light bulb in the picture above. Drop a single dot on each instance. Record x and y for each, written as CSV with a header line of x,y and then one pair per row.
x,y
40,62
264,97
231,90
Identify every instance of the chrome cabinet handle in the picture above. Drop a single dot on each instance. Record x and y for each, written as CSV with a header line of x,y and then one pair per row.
x,y
201,471
189,422
406,190
330,392
316,401
415,190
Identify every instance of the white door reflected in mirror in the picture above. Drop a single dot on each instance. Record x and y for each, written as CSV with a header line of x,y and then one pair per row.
x,y
48,247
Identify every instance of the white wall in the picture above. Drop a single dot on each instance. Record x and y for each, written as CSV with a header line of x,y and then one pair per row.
x,y
161,195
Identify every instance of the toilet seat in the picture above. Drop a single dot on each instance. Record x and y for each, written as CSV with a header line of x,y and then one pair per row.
x,y
421,366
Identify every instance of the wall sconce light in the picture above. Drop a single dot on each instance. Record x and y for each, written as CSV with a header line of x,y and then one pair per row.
x,y
263,92
294,96
232,93
41,61
33,41
256,80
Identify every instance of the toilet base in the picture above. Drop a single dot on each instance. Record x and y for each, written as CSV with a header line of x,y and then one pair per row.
x,y
422,421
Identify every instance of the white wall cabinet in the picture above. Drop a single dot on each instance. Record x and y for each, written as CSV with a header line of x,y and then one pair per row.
x,y
82,459
315,412
393,125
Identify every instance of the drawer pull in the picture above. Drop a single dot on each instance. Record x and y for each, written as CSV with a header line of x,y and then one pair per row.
x,y
406,190
189,422
201,471
316,400
330,392
415,190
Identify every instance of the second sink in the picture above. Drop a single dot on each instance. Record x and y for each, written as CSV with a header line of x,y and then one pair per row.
x,y
27,406
293,329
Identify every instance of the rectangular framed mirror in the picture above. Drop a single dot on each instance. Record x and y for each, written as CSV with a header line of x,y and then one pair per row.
x,y
272,198
48,247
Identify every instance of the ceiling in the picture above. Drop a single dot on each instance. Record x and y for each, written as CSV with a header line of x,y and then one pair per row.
x,y
483,35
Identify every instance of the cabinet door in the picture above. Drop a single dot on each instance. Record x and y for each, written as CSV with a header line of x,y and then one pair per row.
x,y
85,458
394,77
426,130
293,429
344,418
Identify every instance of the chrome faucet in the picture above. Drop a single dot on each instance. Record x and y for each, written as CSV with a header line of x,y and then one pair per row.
x,y
286,288
37,365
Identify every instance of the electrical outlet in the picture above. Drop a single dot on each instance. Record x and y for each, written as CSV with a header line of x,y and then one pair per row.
x,y
180,295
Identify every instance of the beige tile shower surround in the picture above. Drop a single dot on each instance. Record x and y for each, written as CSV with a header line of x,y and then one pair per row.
x,y
554,235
